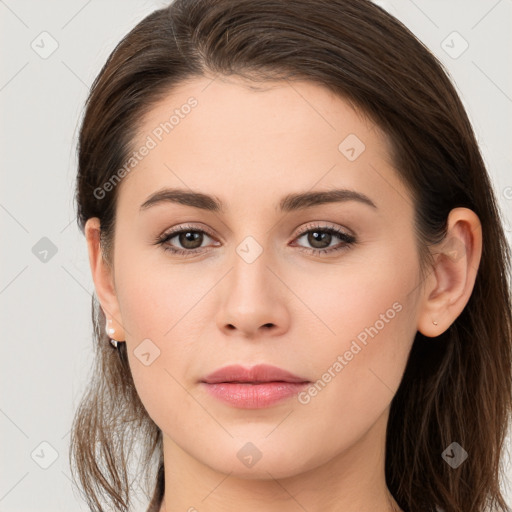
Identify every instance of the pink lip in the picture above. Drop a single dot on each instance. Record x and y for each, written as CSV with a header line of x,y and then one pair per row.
x,y
253,388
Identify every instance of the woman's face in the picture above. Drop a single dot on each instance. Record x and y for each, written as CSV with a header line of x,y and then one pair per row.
x,y
263,280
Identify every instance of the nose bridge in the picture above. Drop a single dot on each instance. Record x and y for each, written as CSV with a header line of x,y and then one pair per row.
x,y
253,247
250,261
252,294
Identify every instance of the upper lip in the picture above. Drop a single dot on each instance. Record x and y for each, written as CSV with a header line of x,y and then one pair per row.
x,y
258,373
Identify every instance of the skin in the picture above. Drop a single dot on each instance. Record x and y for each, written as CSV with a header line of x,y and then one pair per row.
x,y
249,148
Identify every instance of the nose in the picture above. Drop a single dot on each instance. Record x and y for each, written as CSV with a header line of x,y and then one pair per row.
x,y
253,300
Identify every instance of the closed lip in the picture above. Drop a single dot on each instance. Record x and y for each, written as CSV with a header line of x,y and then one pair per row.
x,y
255,374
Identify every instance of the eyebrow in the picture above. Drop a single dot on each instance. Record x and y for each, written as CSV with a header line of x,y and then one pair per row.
x,y
290,202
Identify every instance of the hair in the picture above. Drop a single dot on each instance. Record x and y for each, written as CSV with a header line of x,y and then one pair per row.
x,y
457,386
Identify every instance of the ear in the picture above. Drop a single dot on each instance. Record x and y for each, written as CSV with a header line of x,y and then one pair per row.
x,y
102,275
456,259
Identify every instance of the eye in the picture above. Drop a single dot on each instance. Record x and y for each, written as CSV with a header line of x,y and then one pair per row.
x,y
190,238
320,238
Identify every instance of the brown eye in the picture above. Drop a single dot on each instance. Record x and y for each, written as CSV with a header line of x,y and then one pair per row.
x,y
190,239
320,239
187,240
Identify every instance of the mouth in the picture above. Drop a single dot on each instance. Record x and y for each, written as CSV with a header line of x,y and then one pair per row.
x,y
253,388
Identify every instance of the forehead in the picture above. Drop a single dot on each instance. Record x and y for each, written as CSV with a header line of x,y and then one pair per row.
x,y
232,137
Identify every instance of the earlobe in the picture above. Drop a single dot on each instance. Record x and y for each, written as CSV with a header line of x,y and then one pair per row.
x,y
452,278
103,278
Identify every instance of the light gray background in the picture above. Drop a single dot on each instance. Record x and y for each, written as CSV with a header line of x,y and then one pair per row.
x,y
45,305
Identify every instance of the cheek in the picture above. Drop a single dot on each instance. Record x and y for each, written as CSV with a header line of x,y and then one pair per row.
x,y
161,313
360,302
155,299
362,332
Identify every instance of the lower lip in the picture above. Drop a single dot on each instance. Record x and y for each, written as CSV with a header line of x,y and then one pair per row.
x,y
254,396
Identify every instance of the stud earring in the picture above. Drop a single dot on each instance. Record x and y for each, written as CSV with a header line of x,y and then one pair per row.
x,y
434,322
110,331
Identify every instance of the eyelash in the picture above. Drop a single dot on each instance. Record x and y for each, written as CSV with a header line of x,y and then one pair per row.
x,y
345,237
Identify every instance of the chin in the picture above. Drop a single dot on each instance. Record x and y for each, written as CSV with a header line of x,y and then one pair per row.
x,y
250,463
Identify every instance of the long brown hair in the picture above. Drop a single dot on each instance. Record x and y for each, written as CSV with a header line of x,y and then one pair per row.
x,y
456,387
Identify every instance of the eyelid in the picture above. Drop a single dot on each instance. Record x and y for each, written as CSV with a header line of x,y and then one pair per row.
x,y
326,226
184,227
